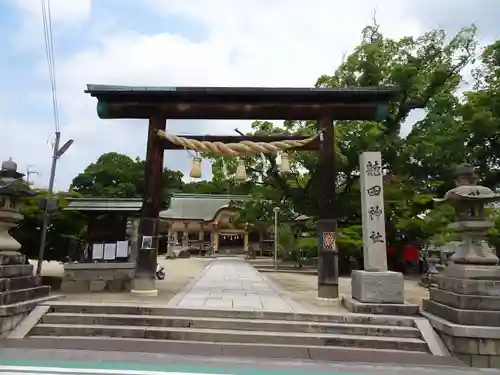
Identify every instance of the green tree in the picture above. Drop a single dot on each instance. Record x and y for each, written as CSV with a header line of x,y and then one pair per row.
x,y
115,175
481,116
427,70
63,228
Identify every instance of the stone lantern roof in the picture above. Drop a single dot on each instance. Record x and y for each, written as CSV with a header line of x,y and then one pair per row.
x,y
467,188
9,165
9,169
11,182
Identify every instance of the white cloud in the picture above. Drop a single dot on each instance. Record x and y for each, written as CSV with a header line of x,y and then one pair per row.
x,y
249,43
61,11
65,14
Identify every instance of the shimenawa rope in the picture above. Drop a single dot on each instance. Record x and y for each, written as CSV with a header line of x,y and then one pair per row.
x,y
234,149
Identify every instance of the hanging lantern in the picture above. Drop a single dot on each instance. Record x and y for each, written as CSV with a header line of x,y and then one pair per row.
x,y
285,163
195,167
241,173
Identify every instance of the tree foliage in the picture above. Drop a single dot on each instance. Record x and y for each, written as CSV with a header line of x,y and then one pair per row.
x,y
117,175
64,227
458,121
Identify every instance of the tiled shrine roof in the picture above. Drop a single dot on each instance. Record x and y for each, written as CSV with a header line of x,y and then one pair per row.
x,y
198,206
104,204
202,207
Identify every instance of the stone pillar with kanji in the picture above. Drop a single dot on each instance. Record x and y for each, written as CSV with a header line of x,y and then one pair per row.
x,y
375,290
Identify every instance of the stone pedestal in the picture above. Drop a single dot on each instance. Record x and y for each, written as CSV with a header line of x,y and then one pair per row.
x,y
97,277
145,287
464,308
378,287
20,291
378,292
145,274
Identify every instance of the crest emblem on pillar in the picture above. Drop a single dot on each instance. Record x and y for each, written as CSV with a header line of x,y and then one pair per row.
x,y
329,241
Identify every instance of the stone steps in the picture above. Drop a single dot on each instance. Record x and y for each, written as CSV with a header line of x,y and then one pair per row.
x,y
232,345
153,310
23,282
12,258
23,306
228,323
231,336
11,315
15,270
19,295
231,251
70,320
20,290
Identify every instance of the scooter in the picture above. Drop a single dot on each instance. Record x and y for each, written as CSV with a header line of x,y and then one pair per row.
x,y
160,272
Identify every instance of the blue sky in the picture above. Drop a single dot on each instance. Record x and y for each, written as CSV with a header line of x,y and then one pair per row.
x,y
176,43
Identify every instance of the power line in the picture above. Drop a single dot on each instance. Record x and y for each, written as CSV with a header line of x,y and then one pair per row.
x,y
49,51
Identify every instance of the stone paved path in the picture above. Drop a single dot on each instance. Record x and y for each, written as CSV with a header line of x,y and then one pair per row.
x,y
233,284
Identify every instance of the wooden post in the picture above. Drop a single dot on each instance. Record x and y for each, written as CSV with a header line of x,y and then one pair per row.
x,y
245,241
216,242
327,223
151,204
185,234
201,233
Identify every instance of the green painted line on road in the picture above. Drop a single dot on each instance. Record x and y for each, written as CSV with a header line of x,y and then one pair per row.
x,y
137,366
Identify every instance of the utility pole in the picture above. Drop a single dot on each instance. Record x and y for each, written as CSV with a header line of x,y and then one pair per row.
x,y
58,152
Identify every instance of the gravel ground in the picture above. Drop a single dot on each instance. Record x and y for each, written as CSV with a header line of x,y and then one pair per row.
x,y
179,273
303,289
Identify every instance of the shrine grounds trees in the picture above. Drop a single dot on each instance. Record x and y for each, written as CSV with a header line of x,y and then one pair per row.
x,y
117,175
455,127
65,227
459,121
112,175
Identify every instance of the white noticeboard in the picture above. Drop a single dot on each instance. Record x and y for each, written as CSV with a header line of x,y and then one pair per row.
x,y
147,242
97,251
122,249
109,251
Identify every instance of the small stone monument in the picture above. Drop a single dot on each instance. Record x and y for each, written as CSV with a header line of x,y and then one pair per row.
x,y
464,307
20,291
375,290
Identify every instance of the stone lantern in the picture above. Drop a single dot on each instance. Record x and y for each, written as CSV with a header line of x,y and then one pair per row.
x,y
468,199
464,304
12,189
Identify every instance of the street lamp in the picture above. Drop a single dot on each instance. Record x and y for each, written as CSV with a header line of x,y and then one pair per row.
x,y
276,211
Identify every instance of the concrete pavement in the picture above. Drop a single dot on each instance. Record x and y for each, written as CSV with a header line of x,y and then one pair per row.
x,y
69,362
233,284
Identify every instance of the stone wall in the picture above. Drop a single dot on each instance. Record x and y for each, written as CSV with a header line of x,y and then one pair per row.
x,y
464,308
20,290
477,346
10,321
476,352
97,277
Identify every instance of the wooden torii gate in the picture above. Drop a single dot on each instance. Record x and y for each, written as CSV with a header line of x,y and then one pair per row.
x,y
159,104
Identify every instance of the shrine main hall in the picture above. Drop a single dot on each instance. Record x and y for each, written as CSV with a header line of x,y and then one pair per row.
x,y
204,221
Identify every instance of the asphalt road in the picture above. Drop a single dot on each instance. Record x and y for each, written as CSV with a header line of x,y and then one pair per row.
x,y
15,361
